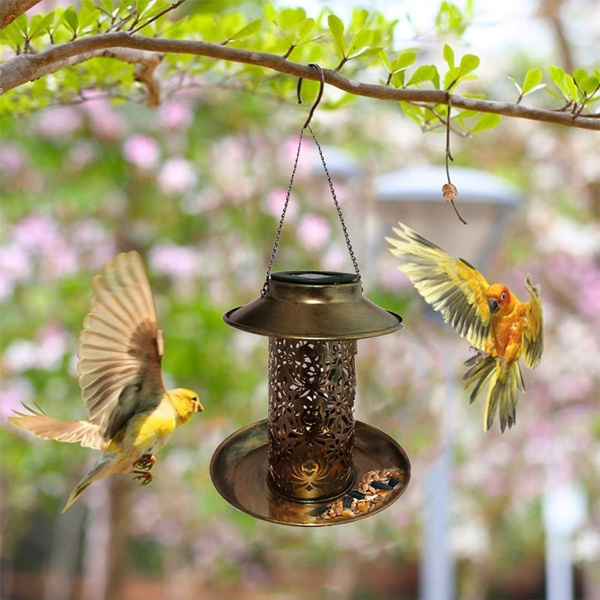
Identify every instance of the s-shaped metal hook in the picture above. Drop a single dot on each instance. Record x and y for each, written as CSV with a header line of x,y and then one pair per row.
x,y
319,95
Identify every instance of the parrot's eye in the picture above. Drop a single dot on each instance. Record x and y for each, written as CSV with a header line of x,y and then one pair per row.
x,y
503,296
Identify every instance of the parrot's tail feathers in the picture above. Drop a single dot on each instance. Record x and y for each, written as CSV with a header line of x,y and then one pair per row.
x,y
37,422
503,396
103,468
480,372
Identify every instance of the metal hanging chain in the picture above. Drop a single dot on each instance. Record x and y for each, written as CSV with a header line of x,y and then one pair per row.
x,y
306,125
265,287
337,207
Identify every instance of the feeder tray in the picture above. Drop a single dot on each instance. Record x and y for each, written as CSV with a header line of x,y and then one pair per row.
x,y
239,470
309,451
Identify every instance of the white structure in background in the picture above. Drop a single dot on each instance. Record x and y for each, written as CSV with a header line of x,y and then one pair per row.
x,y
564,510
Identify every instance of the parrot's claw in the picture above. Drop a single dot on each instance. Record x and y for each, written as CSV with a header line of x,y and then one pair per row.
x,y
477,357
146,462
502,360
143,477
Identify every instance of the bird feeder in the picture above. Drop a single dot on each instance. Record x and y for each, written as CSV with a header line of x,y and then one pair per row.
x,y
310,453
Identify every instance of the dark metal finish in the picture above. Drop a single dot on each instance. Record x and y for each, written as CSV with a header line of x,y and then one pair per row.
x,y
311,417
239,471
309,311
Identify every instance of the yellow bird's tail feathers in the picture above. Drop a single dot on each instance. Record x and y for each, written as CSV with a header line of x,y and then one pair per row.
x,y
103,468
86,433
504,385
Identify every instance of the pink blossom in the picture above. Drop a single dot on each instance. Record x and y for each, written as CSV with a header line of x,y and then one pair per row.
x,y
174,115
142,151
37,233
12,394
106,122
15,267
177,176
47,351
177,262
313,231
59,123
275,200
12,160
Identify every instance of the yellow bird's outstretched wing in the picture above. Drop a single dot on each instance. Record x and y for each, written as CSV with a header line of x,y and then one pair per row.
x,y
121,346
533,336
451,285
86,433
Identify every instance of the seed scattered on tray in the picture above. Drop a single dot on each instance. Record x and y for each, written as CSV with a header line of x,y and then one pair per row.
x,y
372,490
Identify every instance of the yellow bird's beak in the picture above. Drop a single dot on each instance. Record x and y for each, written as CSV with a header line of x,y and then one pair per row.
x,y
199,407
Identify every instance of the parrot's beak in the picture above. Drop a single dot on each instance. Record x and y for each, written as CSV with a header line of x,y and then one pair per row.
x,y
494,306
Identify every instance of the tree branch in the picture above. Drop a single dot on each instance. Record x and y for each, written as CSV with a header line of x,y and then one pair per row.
x,y
27,67
11,9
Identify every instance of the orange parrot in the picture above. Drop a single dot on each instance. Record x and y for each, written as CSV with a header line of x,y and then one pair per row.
x,y
131,414
490,317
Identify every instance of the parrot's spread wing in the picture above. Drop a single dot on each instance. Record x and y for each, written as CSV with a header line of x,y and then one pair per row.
x,y
533,337
451,285
41,425
121,346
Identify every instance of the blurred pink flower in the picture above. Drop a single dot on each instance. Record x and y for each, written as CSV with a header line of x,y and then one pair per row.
x,y
47,351
12,160
106,122
142,151
59,123
37,233
180,263
313,231
177,176
15,267
174,115
275,200
12,394
80,156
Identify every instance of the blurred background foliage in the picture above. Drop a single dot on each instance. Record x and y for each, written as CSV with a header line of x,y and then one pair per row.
x,y
197,186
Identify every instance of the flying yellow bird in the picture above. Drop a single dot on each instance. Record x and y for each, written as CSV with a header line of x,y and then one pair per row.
x,y
131,414
490,317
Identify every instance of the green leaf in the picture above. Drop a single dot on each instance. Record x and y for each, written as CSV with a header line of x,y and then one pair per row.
x,y
368,52
361,40
589,85
22,25
39,25
403,61
579,74
516,84
337,31
532,80
413,112
468,63
247,30
486,121
71,19
572,91
449,56
423,73
304,30
557,75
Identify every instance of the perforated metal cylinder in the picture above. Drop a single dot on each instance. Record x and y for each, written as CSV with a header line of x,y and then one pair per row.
x,y
312,385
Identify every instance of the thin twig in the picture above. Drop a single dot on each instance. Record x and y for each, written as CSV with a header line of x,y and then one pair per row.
x,y
449,190
158,16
